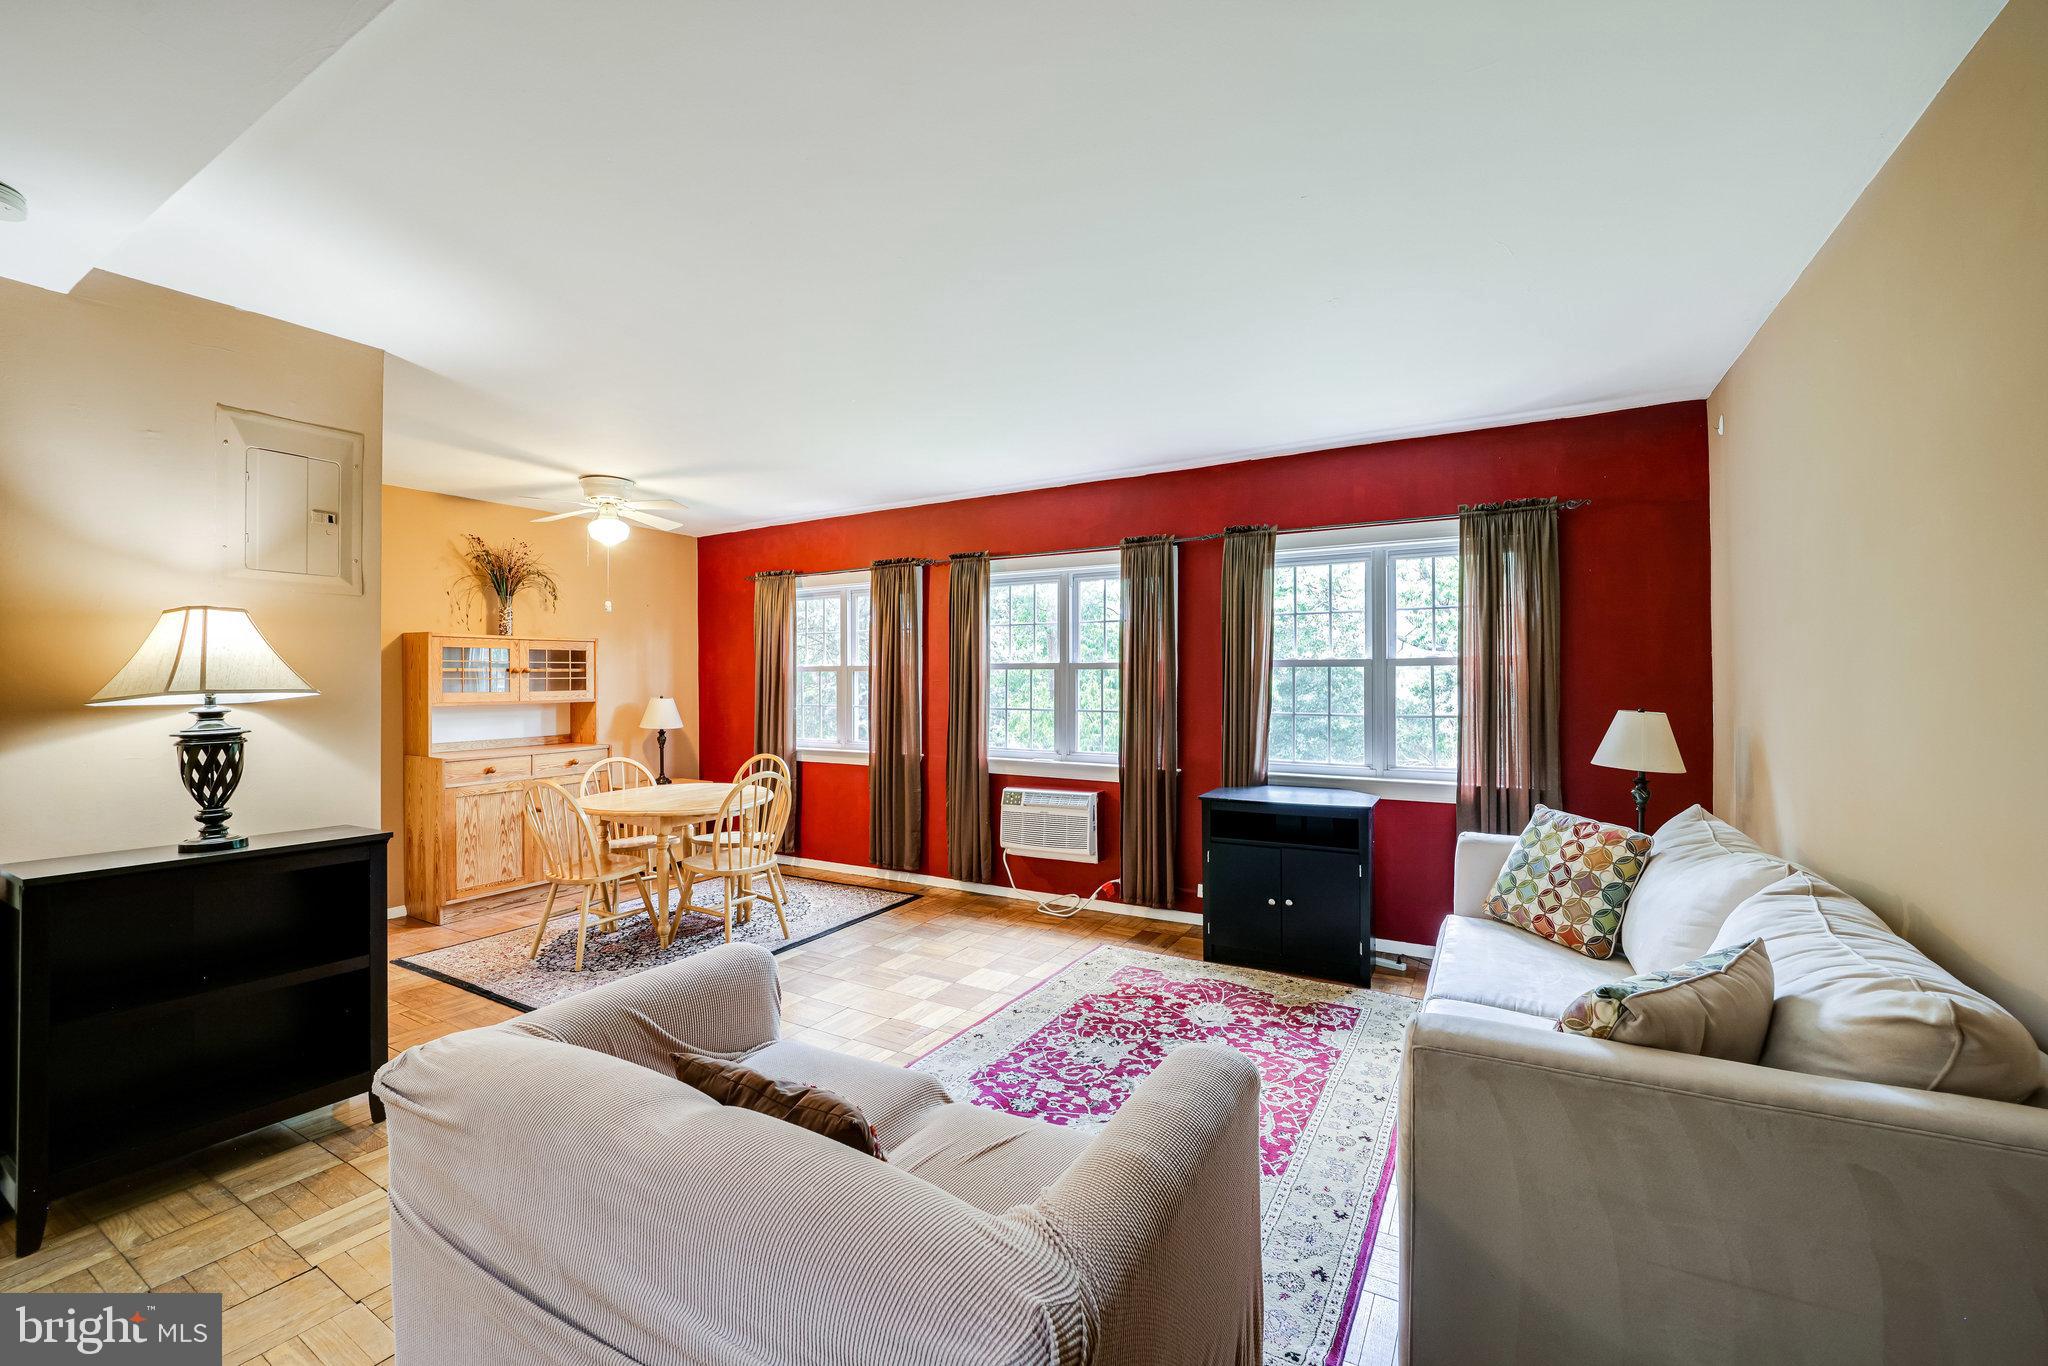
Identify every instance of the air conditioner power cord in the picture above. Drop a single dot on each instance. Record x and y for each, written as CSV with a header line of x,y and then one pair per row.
x,y
1062,907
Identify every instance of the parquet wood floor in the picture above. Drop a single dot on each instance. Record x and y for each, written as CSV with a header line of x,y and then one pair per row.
x,y
289,1223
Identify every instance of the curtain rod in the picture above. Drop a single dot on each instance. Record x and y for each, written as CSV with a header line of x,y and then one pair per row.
x,y
1562,505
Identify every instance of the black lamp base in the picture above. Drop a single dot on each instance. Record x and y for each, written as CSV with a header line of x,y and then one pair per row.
x,y
207,846
661,779
1642,796
210,766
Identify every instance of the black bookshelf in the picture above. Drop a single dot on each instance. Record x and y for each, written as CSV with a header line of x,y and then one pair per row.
x,y
160,1002
1287,880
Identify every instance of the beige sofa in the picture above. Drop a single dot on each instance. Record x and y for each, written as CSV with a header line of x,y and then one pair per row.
x,y
558,1196
1565,1199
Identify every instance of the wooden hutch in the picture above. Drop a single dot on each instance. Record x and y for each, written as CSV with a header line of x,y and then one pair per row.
x,y
465,826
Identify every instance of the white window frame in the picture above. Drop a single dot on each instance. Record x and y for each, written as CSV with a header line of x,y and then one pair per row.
x,y
1378,547
1067,571
846,589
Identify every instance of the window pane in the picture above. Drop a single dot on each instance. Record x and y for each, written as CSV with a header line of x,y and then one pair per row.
x,y
1023,623
1020,709
1426,716
1320,611
1414,743
1446,573
860,706
1319,714
1099,614
1425,605
861,633
1096,717
817,706
817,629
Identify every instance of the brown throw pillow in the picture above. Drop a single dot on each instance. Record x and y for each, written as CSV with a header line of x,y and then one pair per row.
x,y
807,1107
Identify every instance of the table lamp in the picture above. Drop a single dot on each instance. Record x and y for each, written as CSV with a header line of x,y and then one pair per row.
x,y
1642,741
661,717
211,656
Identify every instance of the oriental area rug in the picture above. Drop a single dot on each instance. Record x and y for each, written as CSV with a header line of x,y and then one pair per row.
x,y
1329,1057
498,969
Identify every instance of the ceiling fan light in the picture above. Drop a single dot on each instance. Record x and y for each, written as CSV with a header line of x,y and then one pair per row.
x,y
607,529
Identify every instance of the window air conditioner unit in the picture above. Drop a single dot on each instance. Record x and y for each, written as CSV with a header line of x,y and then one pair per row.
x,y
1041,822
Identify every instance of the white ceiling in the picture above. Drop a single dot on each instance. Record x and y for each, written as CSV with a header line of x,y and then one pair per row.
x,y
794,259
108,106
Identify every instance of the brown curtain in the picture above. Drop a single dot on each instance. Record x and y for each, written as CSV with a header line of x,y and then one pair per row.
x,y
1247,652
970,849
1148,761
895,718
1508,664
775,681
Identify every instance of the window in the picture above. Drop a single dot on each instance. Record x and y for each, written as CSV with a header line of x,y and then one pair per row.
x,y
832,667
1365,660
1054,639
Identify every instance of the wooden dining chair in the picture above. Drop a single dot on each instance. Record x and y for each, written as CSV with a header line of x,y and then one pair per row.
x,y
739,846
573,855
622,839
760,763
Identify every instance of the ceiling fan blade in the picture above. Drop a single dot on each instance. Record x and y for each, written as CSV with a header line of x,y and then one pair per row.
x,y
655,503
579,512
658,523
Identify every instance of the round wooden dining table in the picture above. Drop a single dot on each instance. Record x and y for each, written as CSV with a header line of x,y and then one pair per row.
x,y
671,809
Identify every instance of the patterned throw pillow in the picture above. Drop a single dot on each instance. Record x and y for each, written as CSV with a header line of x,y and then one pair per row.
x,y
1569,879
807,1107
1718,1005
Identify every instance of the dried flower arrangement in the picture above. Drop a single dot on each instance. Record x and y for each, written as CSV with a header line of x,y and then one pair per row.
x,y
507,571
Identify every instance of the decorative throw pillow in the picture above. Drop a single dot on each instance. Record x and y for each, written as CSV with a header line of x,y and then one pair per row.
x,y
1569,880
807,1107
1701,868
1718,1006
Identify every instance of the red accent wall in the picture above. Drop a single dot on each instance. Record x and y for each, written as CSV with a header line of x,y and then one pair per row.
x,y
1635,628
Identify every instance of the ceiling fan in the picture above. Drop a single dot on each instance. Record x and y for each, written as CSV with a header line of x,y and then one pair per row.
x,y
609,502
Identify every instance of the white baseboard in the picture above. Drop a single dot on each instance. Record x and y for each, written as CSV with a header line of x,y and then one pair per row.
x,y
1400,946
987,889
394,912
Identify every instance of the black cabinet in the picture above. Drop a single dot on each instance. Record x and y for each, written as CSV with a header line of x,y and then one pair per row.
x,y
160,1002
1287,880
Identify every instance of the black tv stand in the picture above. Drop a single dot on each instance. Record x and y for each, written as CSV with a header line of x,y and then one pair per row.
x,y
1287,880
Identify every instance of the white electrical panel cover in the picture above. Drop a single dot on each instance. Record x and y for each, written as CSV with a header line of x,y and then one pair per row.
x,y
301,504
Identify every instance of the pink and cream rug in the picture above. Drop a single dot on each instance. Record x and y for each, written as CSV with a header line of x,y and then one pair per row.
x,y
1071,1049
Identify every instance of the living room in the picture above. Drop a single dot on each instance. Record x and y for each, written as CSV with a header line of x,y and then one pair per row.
x,y
913,685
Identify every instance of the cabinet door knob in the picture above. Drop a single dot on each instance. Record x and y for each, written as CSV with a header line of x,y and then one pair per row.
x,y
571,764
1269,901
1288,902
490,769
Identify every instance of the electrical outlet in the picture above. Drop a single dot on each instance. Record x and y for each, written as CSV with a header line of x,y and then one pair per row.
x,y
1198,892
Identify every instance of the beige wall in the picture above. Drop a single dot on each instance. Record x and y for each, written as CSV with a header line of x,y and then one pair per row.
x,y
116,502
647,643
1880,571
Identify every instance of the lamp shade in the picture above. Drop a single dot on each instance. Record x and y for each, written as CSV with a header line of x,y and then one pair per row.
x,y
661,714
195,651
1641,742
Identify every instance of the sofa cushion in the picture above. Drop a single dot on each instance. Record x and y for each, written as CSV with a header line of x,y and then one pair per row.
x,y
1718,1006
993,1161
1569,880
894,1100
1700,869
1492,964
1855,1000
806,1106
1472,1010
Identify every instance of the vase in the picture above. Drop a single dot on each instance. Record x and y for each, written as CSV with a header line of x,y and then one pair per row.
x,y
504,618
